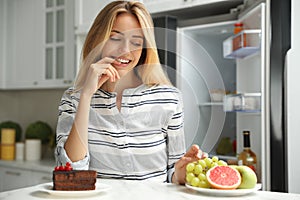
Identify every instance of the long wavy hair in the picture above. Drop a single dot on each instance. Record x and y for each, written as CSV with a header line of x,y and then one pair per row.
x,y
148,68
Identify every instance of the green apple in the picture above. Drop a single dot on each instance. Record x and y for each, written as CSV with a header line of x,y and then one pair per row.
x,y
249,178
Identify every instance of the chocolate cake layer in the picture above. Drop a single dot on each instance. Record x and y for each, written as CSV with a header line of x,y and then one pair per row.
x,y
74,180
75,188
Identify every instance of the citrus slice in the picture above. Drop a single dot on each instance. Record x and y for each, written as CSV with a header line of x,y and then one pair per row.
x,y
223,177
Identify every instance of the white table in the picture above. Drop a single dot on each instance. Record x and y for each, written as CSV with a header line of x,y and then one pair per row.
x,y
136,190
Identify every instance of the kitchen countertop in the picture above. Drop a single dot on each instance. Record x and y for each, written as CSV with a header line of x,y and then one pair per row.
x,y
124,189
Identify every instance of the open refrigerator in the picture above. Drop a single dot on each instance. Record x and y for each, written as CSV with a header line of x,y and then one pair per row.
x,y
227,85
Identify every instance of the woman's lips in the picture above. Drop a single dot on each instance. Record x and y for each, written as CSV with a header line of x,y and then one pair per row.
x,y
122,62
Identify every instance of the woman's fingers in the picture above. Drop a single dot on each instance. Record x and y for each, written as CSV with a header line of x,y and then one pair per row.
x,y
183,162
104,67
112,73
105,63
102,80
193,151
196,153
106,60
99,73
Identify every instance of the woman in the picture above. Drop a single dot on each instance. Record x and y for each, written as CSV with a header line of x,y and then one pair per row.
x,y
123,118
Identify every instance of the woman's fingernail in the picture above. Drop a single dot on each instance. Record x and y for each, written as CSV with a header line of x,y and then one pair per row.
x,y
188,158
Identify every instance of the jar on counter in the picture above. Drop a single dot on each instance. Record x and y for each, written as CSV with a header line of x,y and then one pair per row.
x,y
8,138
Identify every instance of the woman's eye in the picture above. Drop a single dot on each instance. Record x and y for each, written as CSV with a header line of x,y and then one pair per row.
x,y
137,43
115,39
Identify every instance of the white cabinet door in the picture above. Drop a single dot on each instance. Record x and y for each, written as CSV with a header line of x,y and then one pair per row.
x,y
23,43
14,178
85,13
59,45
3,11
27,26
40,177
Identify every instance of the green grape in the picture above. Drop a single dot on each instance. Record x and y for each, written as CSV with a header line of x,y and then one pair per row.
x,y
202,163
190,167
189,177
204,184
208,162
213,164
202,177
222,163
215,159
197,169
195,182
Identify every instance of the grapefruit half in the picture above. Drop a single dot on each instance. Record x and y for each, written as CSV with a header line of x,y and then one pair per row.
x,y
223,177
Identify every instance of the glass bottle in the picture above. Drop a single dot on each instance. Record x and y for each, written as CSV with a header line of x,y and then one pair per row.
x,y
247,156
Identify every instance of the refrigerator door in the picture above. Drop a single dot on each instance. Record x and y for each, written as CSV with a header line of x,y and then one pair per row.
x,y
203,70
252,76
280,44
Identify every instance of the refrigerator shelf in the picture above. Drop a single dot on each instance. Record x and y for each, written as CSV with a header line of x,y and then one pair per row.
x,y
211,104
243,102
242,45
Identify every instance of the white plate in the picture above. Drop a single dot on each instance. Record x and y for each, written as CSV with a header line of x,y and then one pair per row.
x,y
224,193
48,187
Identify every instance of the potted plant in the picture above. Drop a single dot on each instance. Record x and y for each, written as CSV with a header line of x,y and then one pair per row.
x,y
38,133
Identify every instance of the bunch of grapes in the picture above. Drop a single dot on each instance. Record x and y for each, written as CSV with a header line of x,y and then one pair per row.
x,y
196,171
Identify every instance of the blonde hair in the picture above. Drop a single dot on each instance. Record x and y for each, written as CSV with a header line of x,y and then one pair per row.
x,y
149,68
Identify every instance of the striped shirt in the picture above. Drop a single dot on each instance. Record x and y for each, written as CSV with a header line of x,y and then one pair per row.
x,y
141,141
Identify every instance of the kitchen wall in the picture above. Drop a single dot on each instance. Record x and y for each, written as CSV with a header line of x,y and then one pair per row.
x,y
27,106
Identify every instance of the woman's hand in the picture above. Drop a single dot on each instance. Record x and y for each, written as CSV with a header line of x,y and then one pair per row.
x,y
98,74
193,154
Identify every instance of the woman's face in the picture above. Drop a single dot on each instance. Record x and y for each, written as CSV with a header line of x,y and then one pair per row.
x,y
125,43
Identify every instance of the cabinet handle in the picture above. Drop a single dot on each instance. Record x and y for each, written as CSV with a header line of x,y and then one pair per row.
x,y
45,178
67,81
13,173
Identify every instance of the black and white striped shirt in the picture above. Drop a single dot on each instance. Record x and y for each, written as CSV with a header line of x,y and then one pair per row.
x,y
141,141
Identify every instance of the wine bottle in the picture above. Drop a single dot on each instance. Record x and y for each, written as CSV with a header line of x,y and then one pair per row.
x,y
247,156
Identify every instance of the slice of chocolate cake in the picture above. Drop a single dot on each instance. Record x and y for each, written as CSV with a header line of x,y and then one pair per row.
x,y
74,179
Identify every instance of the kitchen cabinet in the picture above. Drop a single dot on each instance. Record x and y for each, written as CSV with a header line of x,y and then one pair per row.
x,y
85,13
38,44
22,41
17,178
18,174
14,178
40,177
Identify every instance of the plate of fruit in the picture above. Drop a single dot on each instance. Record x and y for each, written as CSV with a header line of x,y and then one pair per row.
x,y
215,177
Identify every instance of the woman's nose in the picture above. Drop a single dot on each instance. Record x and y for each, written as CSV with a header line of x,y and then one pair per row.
x,y
124,47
